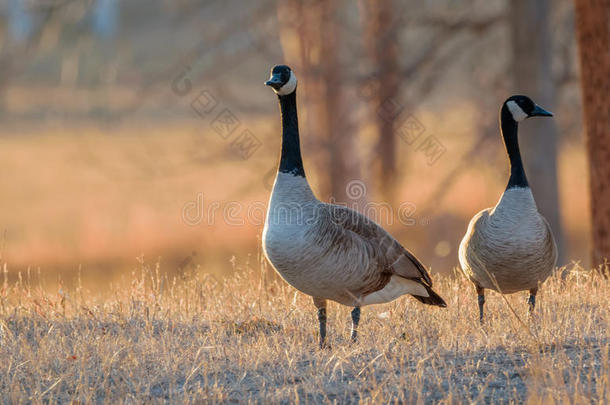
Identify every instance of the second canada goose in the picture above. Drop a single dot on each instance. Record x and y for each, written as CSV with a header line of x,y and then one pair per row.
x,y
327,251
510,247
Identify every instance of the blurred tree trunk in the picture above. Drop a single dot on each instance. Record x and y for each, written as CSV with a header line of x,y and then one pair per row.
x,y
382,48
311,44
531,66
592,19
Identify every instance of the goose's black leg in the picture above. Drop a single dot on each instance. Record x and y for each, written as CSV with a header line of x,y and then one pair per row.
x,y
481,295
322,321
531,301
321,305
355,321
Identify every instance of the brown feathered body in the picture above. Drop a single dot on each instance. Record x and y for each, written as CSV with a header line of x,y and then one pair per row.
x,y
332,252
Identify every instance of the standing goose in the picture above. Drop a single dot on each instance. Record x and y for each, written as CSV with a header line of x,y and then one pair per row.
x,y
511,242
328,251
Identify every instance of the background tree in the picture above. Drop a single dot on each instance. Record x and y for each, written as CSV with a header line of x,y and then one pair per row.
x,y
381,41
592,17
532,75
312,45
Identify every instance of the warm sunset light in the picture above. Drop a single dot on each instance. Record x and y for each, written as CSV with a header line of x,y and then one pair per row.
x,y
377,201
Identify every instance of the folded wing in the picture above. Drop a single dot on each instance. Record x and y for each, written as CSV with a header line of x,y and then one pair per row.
x,y
395,258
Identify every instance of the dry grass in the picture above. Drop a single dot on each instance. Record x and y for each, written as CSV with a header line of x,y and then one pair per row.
x,y
250,337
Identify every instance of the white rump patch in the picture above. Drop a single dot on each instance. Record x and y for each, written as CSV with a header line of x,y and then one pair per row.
x,y
289,87
395,288
516,111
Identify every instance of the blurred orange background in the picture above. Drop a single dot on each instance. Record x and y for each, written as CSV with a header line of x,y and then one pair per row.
x,y
105,160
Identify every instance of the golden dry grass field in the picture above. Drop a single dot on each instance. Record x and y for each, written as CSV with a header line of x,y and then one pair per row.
x,y
252,338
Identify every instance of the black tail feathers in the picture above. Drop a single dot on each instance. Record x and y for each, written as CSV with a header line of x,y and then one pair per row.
x,y
432,299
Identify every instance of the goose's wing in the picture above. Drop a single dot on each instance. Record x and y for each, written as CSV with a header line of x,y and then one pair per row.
x,y
550,245
472,241
394,257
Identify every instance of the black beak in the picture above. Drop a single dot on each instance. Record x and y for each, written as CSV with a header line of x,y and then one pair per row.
x,y
540,112
275,81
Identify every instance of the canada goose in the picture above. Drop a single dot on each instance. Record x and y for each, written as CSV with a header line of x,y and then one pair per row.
x,y
327,251
511,242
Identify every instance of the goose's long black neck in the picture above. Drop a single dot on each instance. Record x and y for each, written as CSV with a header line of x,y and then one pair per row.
x,y
290,160
509,129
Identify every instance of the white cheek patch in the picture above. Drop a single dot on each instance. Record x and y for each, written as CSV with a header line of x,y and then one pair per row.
x,y
289,87
516,111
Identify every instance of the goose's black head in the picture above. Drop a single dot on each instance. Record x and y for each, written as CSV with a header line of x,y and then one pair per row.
x,y
522,107
282,80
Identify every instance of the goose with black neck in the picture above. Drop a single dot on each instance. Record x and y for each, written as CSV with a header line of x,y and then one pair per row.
x,y
510,247
327,251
